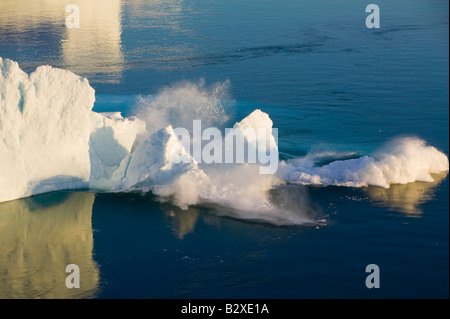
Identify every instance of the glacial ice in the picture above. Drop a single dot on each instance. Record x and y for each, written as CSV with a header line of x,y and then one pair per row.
x,y
50,139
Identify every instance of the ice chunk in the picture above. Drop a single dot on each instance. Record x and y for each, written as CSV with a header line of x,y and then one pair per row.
x,y
162,165
110,142
153,162
255,133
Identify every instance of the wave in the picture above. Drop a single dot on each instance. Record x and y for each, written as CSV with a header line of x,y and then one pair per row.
x,y
50,139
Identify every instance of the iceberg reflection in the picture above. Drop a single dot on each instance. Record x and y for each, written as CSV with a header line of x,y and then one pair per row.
x,y
183,222
39,237
405,198
95,48
38,27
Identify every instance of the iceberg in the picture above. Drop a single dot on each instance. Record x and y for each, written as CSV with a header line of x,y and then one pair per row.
x,y
50,139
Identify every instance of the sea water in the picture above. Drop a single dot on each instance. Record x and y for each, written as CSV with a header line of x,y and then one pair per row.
x,y
330,85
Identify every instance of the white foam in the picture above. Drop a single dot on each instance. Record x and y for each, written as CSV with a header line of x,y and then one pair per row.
x,y
180,104
402,160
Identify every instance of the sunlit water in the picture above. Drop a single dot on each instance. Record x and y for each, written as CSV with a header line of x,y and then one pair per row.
x,y
328,83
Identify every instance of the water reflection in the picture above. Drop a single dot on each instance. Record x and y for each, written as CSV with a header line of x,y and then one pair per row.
x,y
39,237
161,14
33,32
95,47
23,15
161,30
183,222
36,33
405,198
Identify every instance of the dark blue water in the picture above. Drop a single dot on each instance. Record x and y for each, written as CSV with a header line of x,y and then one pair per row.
x,y
327,82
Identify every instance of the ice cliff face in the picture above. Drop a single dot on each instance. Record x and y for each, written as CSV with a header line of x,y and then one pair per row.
x,y
45,125
49,137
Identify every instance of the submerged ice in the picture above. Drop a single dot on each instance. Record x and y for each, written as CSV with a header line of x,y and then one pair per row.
x,y
50,139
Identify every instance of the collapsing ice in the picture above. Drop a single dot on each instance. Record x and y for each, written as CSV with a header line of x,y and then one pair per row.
x,y
50,139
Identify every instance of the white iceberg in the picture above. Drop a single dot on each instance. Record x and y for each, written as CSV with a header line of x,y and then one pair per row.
x,y
50,139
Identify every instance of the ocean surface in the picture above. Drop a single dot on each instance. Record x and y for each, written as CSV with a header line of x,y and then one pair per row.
x,y
330,85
